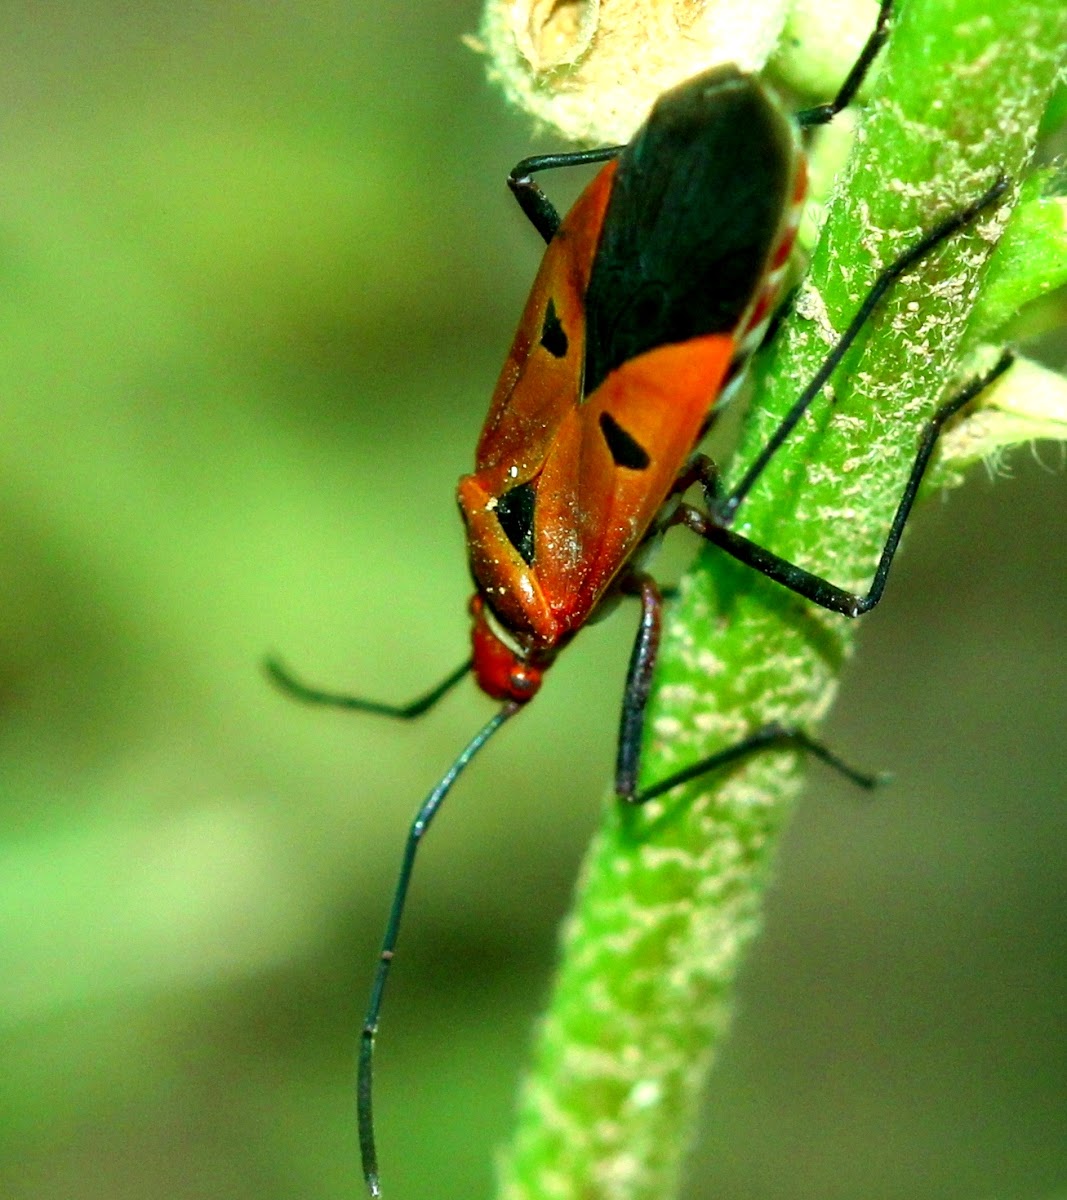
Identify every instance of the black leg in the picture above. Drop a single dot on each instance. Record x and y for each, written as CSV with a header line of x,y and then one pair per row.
x,y
813,587
822,114
533,202
703,470
635,702
300,691
427,811
638,685
951,225
768,737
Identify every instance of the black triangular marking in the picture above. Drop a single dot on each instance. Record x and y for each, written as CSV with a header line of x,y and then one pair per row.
x,y
625,449
553,336
515,512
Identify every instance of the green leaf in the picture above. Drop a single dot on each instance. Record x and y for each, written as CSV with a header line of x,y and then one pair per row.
x,y
1030,259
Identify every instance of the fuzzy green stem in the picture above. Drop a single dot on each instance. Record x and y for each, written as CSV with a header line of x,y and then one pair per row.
x,y
672,894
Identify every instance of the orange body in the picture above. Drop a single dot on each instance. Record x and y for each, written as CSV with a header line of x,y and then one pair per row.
x,y
568,482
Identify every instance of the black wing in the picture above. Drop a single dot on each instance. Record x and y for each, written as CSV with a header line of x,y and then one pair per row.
x,y
699,197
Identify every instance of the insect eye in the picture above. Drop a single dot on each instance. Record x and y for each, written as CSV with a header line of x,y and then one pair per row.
x,y
624,448
515,512
553,335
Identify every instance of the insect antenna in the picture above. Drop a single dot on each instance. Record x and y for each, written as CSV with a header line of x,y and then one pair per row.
x,y
427,811
280,677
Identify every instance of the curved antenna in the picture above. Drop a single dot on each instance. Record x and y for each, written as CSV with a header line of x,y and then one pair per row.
x,y
280,677
427,811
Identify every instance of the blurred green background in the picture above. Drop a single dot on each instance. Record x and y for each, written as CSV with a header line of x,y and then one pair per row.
x,y
258,270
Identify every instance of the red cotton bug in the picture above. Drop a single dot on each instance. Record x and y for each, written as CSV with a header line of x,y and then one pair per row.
x,y
654,292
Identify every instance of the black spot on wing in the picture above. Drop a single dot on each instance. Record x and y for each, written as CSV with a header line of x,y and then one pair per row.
x,y
553,335
625,449
515,512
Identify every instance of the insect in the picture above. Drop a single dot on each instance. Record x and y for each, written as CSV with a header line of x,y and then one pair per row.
x,y
654,291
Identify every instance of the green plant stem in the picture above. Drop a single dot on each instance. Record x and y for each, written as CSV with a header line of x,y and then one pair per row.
x,y
671,894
